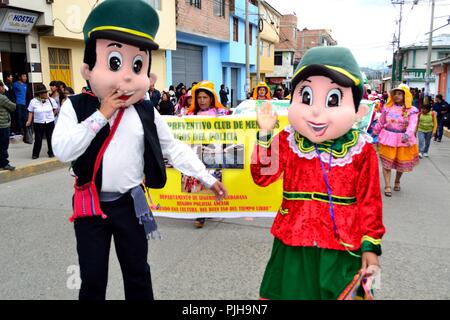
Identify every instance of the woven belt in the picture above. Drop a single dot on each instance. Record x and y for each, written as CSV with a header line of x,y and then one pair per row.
x,y
318,196
394,130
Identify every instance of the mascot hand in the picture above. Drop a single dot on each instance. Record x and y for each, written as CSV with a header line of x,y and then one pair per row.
x,y
111,103
266,120
369,262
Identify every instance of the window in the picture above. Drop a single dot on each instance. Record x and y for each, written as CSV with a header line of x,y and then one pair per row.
x,y
269,52
235,29
261,48
219,8
156,4
195,3
250,34
60,68
278,58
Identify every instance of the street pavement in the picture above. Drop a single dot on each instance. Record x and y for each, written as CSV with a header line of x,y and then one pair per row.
x,y
225,259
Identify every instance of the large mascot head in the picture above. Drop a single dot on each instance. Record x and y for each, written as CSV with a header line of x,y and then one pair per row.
x,y
327,89
119,37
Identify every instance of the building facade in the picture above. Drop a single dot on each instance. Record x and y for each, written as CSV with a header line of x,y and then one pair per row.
x,y
307,39
211,44
270,20
410,65
21,23
284,52
202,29
441,70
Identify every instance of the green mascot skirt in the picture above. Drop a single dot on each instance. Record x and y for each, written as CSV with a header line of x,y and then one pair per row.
x,y
307,273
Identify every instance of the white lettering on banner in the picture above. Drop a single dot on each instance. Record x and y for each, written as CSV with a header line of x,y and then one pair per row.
x,y
18,22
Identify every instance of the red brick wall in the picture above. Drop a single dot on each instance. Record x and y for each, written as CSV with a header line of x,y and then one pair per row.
x,y
287,35
203,21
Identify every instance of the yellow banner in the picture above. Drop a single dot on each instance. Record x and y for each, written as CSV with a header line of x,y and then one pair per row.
x,y
225,146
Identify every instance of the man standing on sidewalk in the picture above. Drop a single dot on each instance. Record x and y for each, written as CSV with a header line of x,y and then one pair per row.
x,y
6,106
20,91
441,108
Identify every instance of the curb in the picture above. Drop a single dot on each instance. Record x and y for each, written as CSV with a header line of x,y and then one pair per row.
x,y
31,170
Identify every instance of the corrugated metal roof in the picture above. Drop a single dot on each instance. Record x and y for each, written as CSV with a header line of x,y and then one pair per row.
x,y
442,40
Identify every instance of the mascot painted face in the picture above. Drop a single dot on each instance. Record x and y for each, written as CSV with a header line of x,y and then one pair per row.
x,y
118,58
327,91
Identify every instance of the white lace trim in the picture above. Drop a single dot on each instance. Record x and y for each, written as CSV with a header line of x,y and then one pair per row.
x,y
340,162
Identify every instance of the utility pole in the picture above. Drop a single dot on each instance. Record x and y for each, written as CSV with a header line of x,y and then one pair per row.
x,y
430,47
247,49
398,68
258,46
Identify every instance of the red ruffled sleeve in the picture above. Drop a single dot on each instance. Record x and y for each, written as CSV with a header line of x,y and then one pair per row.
x,y
369,200
268,158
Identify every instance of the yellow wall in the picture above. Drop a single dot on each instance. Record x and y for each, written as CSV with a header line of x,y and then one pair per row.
x,y
269,35
71,14
267,63
76,58
270,32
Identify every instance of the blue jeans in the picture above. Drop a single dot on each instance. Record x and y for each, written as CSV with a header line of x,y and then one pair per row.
x,y
4,144
424,141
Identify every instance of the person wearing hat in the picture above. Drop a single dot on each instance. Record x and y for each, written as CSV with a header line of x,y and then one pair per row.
x,y
205,101
7,107
396,136
41,113
117,142
329,225
261,92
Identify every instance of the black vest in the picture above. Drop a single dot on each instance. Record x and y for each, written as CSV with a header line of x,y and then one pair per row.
x,y
154,169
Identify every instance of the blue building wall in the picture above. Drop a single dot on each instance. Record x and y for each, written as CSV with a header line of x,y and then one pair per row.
x,y
220,57
168,68
233,53
212,64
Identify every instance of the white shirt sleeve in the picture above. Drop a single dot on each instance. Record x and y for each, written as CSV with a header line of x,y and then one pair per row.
x,y
32,105
70,139
180,155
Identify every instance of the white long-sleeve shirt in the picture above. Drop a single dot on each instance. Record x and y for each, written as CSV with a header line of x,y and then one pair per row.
x,y
123,161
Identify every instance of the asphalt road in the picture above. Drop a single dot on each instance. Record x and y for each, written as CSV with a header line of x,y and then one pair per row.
x,y
226,259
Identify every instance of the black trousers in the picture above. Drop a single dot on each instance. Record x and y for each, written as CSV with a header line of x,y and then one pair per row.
x,y
39,130
93,245
4,144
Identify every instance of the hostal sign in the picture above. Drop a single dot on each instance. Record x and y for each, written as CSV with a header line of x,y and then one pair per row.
x,y
18,21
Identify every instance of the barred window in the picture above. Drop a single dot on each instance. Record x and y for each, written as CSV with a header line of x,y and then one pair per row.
x,y
219,8
195,3
60,66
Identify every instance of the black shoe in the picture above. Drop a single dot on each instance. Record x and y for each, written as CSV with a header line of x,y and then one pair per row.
x,y
439,140
8,167
51,155
199,222
34,157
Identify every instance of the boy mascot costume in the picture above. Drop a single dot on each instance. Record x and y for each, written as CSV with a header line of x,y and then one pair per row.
x,y
115,141
329,226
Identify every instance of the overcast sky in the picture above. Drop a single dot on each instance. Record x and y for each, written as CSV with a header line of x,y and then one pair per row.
x,y
367,26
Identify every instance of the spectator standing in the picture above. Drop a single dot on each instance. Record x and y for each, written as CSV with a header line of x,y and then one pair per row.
x,y
224,92
441,108
166,107
6,108
42,111
426,128
20,91
154,95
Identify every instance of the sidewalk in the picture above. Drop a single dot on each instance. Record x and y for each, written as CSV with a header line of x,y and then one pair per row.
x,y
20,157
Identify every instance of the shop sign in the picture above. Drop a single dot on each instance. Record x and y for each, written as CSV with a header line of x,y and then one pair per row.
x,y
18,21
